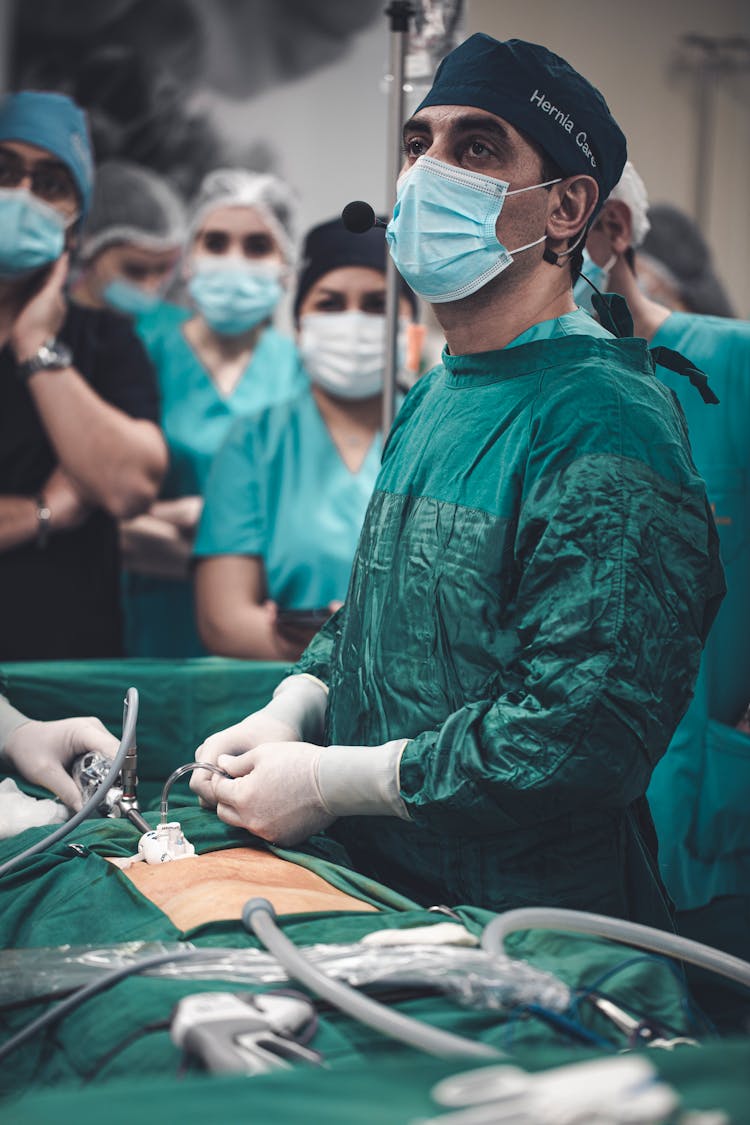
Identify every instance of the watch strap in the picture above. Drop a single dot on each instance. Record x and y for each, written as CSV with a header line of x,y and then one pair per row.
x,y
43,521
52,356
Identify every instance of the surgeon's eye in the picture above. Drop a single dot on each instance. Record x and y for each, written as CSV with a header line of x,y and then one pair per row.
x,y
478,148
135,272
215,241
373,303
415,146
257,245
330,302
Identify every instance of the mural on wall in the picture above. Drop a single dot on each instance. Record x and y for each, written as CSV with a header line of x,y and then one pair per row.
x,y
138,66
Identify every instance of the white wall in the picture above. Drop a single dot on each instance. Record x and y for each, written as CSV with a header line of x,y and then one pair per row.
x,y
630,52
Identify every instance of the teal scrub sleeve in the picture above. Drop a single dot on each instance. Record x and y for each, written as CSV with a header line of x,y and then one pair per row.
x,y
233,519
619,583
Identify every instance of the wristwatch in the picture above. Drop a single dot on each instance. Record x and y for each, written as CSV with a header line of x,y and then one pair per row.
x,y
52,356
43,520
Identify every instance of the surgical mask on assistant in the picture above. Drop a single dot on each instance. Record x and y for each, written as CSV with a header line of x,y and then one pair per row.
x,y
442,235
32,234
129,298
234,297
344,352
597,275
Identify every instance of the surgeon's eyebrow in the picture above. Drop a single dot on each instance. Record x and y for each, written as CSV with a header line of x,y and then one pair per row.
x,y
416,125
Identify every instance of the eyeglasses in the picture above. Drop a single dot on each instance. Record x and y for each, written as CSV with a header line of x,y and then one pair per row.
x,y
49,180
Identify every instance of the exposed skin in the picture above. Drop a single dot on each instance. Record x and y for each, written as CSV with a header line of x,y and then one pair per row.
x,y
120,464
235,616
150,270
159,543
530,290
612,233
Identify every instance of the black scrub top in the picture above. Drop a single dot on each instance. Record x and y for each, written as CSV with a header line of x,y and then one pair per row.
x,y
62,601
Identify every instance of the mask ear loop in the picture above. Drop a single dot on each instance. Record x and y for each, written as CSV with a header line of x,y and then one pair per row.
x,y
554,258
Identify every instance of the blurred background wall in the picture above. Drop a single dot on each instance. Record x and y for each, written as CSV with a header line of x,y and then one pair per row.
x,y
297,87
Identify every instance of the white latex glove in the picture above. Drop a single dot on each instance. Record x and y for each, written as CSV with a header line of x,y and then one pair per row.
x,y
287,791
41,752
296,713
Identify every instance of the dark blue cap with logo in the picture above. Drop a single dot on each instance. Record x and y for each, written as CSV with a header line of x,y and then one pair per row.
x,y
541,95
53,122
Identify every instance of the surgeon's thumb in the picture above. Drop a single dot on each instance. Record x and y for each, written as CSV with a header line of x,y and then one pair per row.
x,y
235,765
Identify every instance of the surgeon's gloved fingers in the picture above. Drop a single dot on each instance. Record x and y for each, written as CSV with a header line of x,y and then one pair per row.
x,y
236,765
91,735
61,783
229,815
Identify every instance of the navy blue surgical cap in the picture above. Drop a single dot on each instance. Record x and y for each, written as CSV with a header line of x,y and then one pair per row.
x,y
542,96
330,246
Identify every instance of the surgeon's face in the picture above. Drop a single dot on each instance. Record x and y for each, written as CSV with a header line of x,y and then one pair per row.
x,y
149,270
350,289
482,142
40,172
237,233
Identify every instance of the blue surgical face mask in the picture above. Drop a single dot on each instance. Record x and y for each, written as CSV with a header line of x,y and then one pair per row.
x,y
234,296
442,234
597,275
32,234
129,298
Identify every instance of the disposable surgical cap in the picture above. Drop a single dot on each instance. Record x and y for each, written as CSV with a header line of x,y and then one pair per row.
x,y
631,190
53,122
675,241
330,246
235,187
542,96
132,204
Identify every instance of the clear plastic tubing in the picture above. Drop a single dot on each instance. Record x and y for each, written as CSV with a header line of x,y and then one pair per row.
x,y
630,933
180,772
259,917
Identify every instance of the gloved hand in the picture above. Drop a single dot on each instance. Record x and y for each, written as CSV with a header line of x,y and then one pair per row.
x,y
287,791
296,713
41,752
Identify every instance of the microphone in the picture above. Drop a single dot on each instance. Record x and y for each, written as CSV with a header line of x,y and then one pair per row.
x,y
359,217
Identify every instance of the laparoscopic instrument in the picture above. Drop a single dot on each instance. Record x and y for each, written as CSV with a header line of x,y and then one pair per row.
x,y
123,767
109,788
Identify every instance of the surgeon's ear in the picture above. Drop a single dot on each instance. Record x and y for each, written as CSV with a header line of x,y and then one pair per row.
x,y
572,202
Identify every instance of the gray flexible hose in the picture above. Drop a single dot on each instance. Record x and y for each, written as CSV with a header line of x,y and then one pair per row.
x,y
631,933
129,720
258,917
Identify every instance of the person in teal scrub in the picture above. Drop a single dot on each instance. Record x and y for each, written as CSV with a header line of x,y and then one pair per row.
x,y
538,565
700,791
216,362
288,490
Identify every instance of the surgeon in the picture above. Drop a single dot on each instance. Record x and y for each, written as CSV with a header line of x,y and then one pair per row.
x,y
700,791
288,490
216,361
538,567
42,752
132,241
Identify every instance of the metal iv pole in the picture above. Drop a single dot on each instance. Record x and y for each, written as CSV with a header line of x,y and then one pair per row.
x,y
399,13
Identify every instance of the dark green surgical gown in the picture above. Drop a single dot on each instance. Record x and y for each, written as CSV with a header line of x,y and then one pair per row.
x,y
536,575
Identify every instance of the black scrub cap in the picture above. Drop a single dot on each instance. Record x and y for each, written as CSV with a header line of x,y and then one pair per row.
x,y
541,95
330,246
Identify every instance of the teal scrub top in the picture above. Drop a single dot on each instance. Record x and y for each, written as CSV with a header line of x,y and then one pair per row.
x,y
279,489
535,578
700,791
195,417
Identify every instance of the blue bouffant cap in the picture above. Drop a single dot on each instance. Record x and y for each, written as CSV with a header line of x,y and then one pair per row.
x,y
53,122
330,246
541,95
